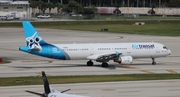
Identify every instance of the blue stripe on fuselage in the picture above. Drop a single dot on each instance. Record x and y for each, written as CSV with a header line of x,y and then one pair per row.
x,y
47,50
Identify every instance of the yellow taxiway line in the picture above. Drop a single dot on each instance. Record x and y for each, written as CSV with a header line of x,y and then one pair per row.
x,y
39,73
172,71
146,71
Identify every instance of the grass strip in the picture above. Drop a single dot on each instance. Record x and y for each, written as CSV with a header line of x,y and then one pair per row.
x,y
163,28
37,80
5,61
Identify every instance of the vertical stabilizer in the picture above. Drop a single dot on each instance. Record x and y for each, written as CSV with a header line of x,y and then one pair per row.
x,y
46,84
33,38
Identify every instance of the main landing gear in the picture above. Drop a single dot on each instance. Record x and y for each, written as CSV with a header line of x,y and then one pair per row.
x,y
104,64
90,63
153,61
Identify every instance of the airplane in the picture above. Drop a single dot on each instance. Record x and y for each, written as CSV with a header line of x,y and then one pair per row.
x,y
122,53
50,92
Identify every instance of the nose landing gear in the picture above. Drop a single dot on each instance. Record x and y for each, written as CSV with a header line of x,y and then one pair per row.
x,y
153,61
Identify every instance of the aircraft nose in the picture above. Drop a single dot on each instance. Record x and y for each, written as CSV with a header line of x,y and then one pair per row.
x,y
169,52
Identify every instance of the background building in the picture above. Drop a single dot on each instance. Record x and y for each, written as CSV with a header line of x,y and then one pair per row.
x,y
21,7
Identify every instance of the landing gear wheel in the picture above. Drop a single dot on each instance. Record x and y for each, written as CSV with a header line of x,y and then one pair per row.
x,y
104,64
90,63
153,61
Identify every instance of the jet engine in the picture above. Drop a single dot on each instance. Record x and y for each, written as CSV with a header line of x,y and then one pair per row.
x,y
124,60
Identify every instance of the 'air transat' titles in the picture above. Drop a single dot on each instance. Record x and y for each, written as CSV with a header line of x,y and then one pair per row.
x,y
143,46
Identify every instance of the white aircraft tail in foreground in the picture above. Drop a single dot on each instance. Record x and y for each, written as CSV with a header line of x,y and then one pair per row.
x,y
122,53
50,92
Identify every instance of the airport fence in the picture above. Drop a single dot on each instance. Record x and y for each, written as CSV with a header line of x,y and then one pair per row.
x,y
117,17
99,17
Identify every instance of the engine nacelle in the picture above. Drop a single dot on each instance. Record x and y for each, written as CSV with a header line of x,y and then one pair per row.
x,y
124,60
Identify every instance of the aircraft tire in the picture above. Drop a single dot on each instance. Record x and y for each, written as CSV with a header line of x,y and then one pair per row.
x,y
104,64
90,63
153,63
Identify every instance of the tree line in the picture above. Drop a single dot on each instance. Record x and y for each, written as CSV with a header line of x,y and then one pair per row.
x,y
71,7
89,6
120,3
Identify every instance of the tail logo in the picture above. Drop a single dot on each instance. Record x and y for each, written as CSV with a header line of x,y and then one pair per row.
x,y
33,41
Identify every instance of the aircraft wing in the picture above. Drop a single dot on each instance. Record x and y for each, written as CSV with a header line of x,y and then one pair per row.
x,y
104,56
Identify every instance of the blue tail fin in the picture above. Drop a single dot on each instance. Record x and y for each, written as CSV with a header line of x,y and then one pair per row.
x,y
33,38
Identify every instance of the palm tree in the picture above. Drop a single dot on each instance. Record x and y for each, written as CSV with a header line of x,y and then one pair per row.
x,y
42,6
50,6
59,7
34,5
40,3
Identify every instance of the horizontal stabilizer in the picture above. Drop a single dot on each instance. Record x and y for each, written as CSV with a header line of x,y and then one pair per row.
x,y
34,50
65,90
39,94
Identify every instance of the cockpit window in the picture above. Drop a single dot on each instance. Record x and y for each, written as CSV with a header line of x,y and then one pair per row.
x,y
165,47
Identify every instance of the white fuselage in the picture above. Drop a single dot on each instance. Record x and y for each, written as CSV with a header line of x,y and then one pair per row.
x,y
123,53
136,50
64,95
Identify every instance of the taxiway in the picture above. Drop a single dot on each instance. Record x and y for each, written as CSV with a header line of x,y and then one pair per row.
x,y
24,64
159,88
